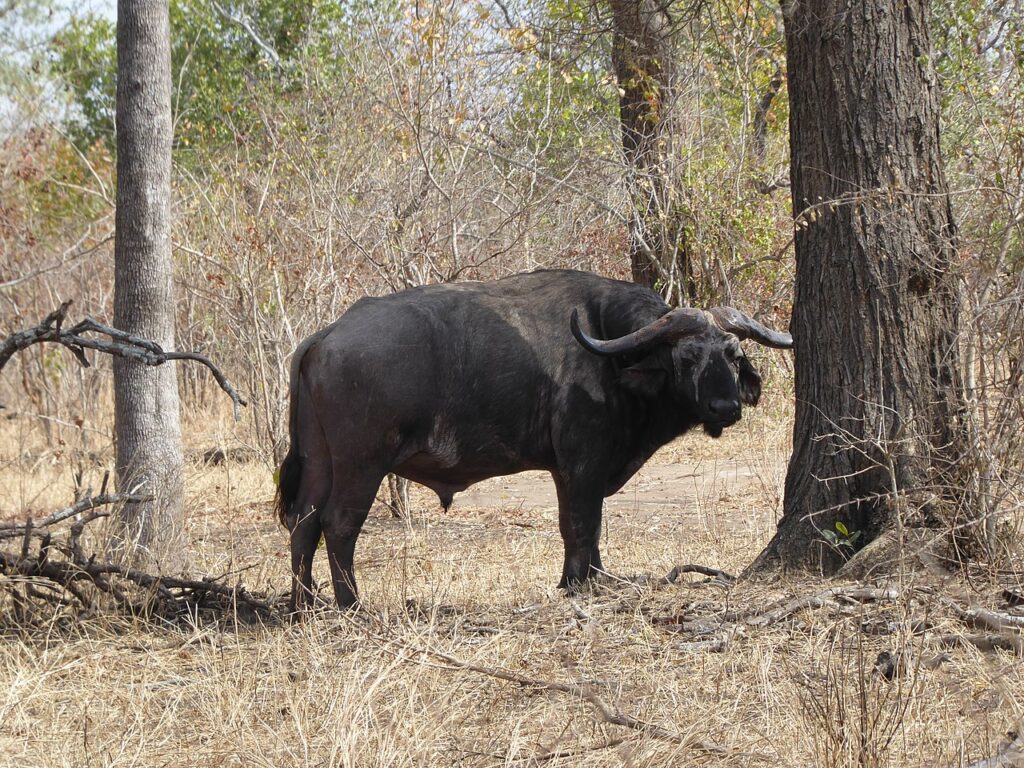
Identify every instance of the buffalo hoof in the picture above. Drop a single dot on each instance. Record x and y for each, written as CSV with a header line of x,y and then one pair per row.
x,y
577,585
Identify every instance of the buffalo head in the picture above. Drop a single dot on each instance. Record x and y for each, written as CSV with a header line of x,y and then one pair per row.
x,y
692,357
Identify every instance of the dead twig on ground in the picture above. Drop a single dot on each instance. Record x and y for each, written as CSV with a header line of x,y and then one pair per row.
x,y
826,597
611,714
588,691
717,645
574,753
672,576
713,629
985,618
986,643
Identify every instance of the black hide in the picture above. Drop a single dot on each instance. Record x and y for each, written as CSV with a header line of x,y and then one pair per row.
x,y
450,384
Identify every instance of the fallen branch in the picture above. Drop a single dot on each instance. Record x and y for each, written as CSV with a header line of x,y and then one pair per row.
x,y
819,600
714,573
121,344
588,692
986,643
577,754
983,617
60,573
717,645
13,530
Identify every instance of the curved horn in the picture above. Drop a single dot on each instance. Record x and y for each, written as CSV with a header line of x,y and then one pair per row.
x,y
668,327
745,327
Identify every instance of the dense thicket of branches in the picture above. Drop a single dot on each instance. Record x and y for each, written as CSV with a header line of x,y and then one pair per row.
x,y
331,151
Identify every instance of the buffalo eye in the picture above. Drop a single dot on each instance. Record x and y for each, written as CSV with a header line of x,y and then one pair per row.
x,y
749,381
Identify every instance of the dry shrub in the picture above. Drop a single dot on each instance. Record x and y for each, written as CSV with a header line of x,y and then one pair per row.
x,y
417,172
855,700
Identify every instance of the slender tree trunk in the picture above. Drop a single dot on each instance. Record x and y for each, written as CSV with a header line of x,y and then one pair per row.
x,y
643,56
146,399
879,425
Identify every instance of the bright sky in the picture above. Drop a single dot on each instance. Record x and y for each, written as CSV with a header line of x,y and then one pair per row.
x,y
23,36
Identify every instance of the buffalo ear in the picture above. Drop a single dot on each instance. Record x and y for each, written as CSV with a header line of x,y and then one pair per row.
x,y
750,382
646,378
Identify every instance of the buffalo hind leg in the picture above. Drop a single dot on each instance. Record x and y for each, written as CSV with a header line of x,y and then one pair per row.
x,y
305,536
304,527
579,521
342,520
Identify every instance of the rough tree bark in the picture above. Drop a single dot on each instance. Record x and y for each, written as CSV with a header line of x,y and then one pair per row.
x,y
879,424
643,56
147,429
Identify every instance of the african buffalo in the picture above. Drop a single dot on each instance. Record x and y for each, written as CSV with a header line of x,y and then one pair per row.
x,y
451,384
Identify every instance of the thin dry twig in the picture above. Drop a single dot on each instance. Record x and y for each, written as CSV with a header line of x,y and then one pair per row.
x,y
588,692
574,753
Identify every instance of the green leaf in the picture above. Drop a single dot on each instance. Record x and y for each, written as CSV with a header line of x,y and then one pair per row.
x,y
842,528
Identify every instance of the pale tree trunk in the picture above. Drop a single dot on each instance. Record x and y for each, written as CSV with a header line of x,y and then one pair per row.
x,y
643,56
147,428
879,419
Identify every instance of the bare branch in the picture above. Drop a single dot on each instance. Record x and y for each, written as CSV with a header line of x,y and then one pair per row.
x,y
67,258
267,49
13,530
121,345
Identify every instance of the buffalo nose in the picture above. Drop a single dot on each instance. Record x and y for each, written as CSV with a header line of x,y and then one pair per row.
x,y
726,410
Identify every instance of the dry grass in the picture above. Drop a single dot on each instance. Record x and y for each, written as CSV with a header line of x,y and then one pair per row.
x,y
464,653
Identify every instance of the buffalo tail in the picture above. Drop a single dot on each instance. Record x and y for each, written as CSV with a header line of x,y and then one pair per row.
x,y
288,483
289,475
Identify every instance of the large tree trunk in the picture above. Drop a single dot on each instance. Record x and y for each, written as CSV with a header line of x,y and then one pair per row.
x,y
146,399
878,417
644,60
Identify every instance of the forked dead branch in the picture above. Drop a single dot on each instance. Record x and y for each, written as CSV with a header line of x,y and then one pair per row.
x,y
120,344
49,568
886,639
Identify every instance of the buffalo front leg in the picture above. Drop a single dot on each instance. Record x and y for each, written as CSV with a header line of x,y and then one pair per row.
x,y
579,521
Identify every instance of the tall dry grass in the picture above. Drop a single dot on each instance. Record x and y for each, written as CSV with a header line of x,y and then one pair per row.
x,y
462,643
